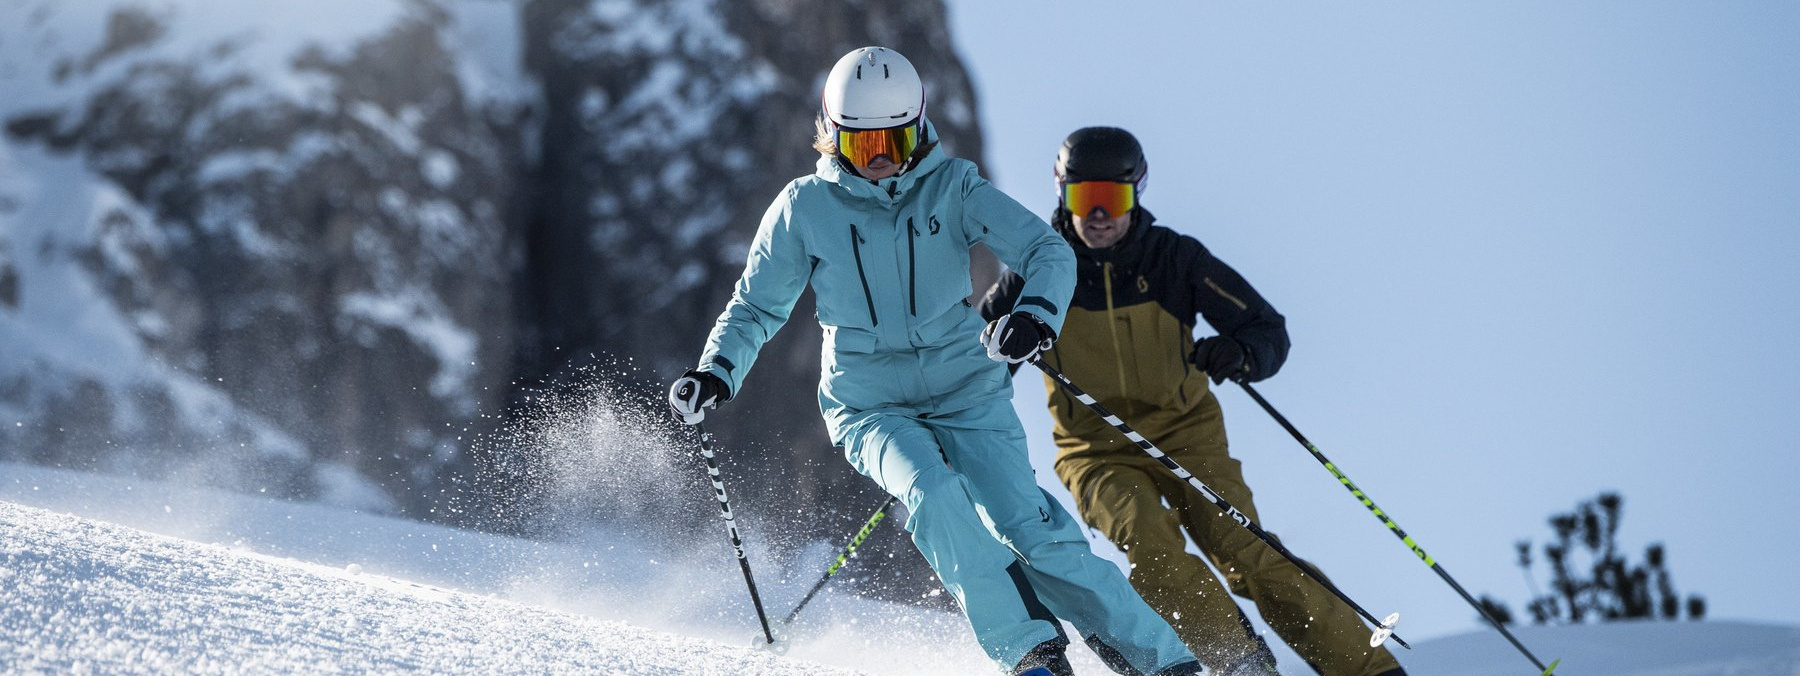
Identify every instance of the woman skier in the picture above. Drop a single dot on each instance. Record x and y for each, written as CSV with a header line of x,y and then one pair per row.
x,y
913,388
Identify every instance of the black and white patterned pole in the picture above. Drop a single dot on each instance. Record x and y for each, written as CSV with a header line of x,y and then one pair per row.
x,y
718,483
1385,628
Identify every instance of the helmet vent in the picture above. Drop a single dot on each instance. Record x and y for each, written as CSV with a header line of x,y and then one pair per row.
x,y
884,71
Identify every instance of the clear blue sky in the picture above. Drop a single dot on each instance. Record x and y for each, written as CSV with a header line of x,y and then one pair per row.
x,y
1529,251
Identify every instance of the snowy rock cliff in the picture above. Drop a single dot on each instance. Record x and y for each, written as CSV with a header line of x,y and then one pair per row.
x,y
264,241
320,248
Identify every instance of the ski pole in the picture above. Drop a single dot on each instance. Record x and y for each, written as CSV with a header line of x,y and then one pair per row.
x,y
712,469
1385,520
849,551
1385,628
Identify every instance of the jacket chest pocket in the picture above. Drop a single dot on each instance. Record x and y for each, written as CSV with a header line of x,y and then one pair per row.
x,y
934,260
848,266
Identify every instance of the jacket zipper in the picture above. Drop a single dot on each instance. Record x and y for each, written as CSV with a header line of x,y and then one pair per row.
x,y
1112,324
912,281
856,250
1186,365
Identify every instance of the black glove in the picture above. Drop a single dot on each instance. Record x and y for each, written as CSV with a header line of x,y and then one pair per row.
x,y
693,393
1016,337
1222,358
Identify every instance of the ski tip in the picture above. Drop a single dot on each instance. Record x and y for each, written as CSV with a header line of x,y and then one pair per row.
x,y
1552,667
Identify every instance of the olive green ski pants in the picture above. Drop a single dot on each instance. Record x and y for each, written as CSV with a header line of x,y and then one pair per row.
x,y
1121,491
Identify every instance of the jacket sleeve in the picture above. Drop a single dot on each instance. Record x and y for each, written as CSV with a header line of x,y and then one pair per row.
x,y
1025,243
775,274
1002,296
1233,308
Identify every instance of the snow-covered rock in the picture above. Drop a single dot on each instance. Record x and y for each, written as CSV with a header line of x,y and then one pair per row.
x,y
256,243
320,248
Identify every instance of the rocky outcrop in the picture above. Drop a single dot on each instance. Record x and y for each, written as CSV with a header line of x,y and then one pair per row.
x,y
321,248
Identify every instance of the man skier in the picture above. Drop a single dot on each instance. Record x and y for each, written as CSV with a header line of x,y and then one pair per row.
x,y
1128,340
913,387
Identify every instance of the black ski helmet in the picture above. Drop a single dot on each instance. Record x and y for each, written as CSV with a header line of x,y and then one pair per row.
x,y
1101,154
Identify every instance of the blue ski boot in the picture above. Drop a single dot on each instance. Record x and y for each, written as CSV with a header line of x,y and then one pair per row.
x,y
1046,659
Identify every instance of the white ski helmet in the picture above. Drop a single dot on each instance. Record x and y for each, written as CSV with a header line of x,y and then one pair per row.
x,y
873,88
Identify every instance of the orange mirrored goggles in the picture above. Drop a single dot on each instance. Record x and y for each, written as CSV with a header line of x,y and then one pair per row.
x,y
1082,198
862,146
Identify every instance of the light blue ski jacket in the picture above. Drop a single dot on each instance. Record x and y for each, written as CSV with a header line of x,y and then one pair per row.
x,y
889,265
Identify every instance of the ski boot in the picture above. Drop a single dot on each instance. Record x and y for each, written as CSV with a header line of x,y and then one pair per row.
x,y
1047,659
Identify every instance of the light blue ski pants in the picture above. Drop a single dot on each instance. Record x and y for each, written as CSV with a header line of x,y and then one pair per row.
x,y
975,508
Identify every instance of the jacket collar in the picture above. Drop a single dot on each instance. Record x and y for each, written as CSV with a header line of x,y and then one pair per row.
x,y
887,191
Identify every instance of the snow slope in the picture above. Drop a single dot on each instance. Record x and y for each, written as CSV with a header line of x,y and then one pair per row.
x,y
84,595
396,580
107,574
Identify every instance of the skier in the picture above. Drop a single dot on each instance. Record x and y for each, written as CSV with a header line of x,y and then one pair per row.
x,y
912,388
1128,340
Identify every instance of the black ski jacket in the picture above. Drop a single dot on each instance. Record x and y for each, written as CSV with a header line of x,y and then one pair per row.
x,y
1128,335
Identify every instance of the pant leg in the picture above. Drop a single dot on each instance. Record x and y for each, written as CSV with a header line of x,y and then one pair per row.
x,y
1121,498
904,458
988,446
1322,629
